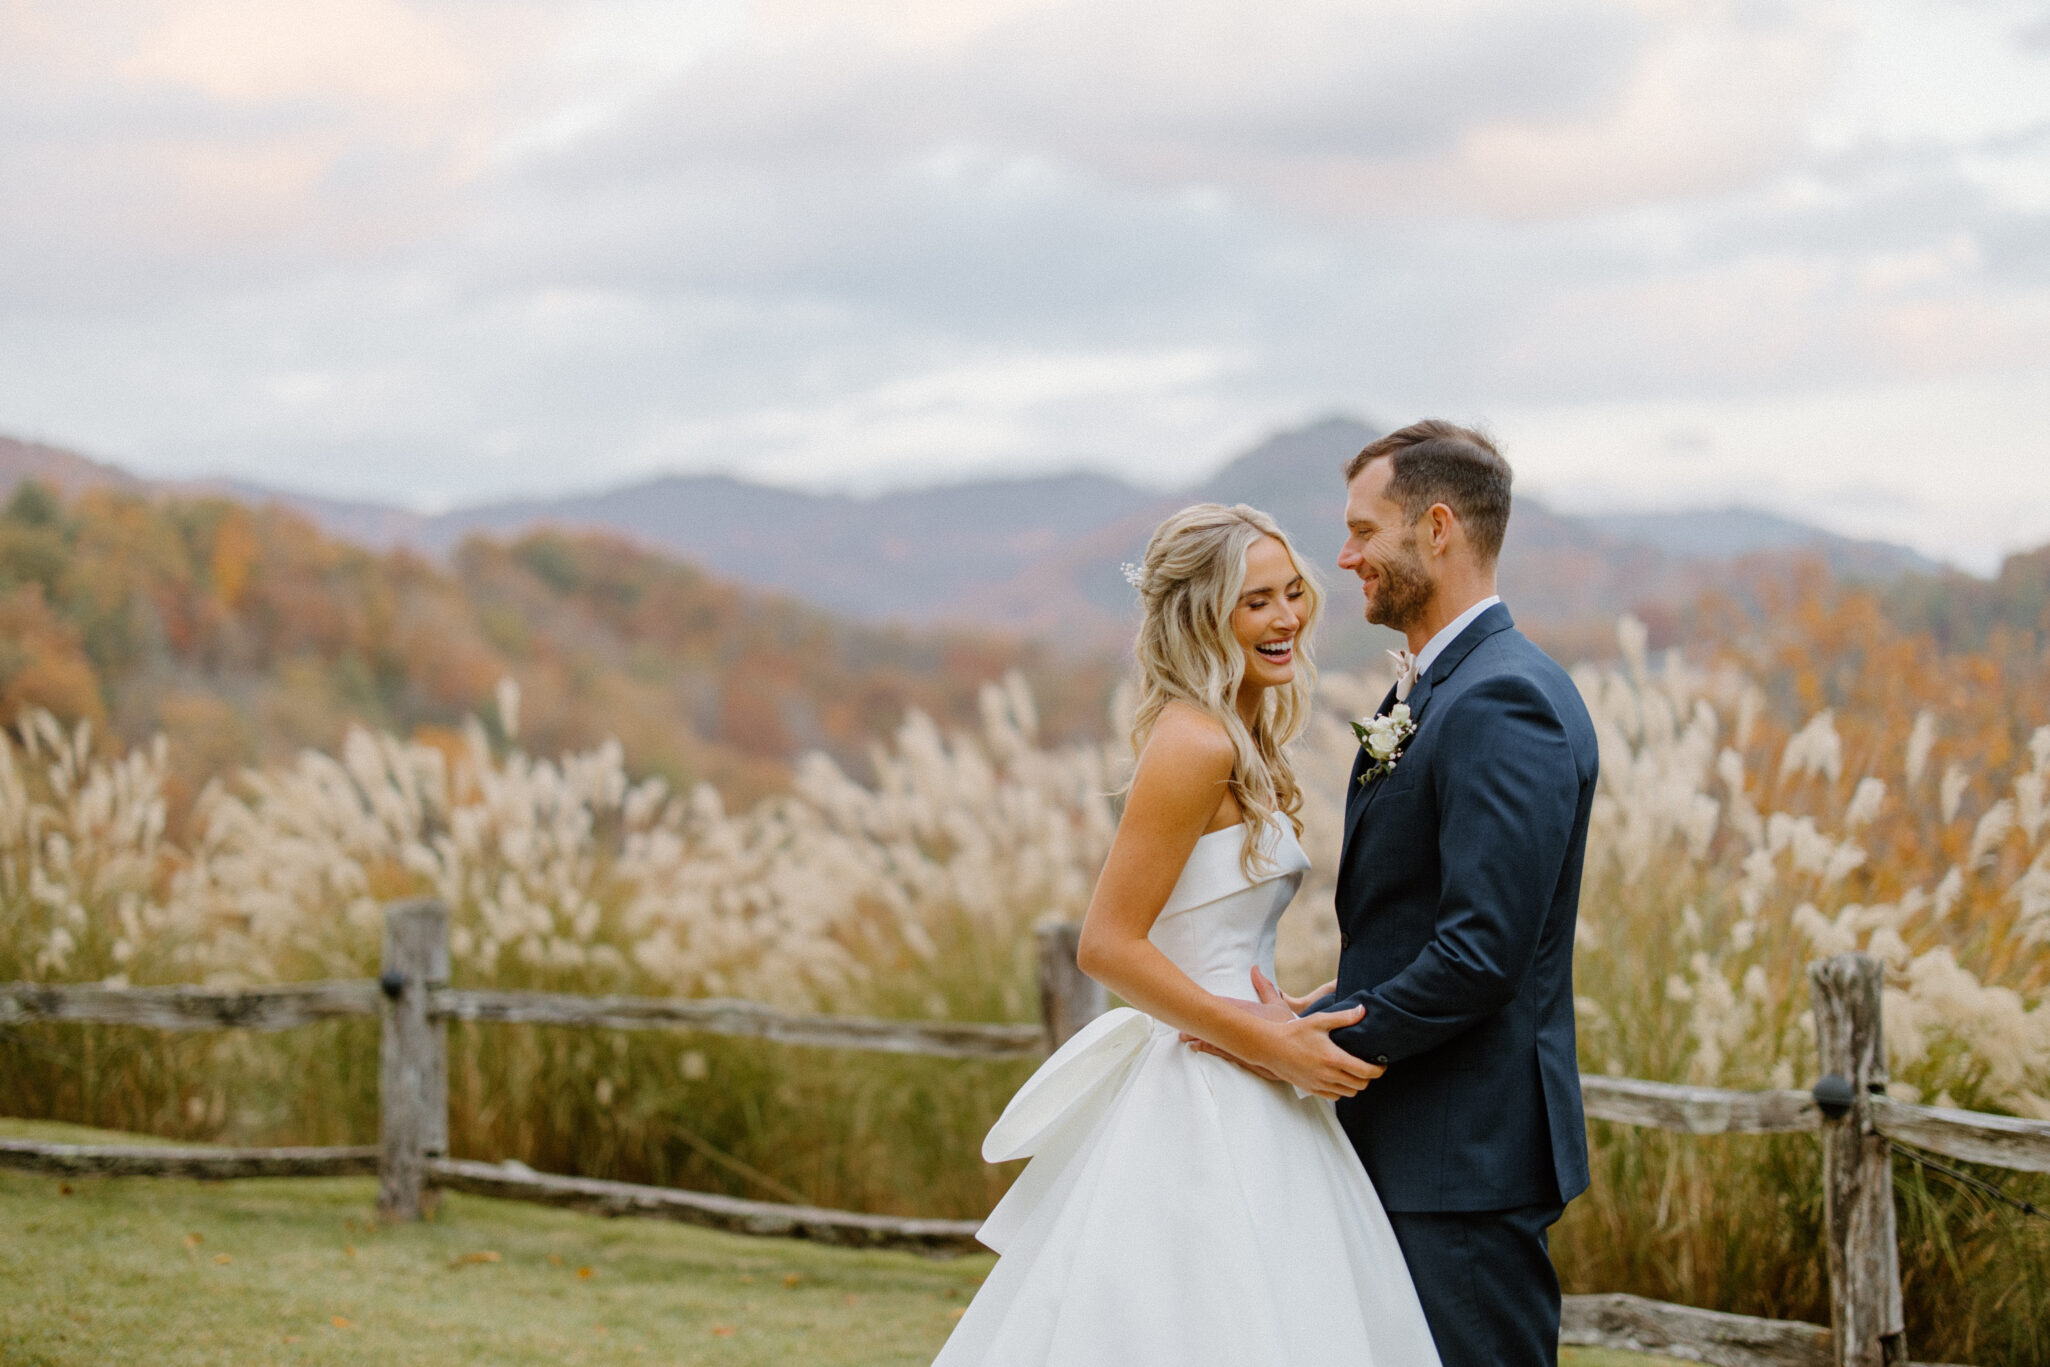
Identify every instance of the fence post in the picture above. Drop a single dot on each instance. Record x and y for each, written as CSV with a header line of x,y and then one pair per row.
x,y
1857,1167
1068,998
412,1058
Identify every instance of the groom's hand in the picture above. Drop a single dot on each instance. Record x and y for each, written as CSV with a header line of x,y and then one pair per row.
x,y
1295,1004
1269,994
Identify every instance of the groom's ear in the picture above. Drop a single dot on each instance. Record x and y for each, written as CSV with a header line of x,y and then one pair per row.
x,y
1441,529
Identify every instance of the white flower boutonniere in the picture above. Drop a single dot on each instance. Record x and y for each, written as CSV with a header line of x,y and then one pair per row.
x,y
1383,738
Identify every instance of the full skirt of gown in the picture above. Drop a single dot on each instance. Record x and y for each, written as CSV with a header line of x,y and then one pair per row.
x,y
1179,1211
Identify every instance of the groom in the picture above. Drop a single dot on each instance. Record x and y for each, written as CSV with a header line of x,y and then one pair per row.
x,y
1457,893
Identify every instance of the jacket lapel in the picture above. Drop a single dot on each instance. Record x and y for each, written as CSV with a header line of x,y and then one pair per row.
x,y
1495,619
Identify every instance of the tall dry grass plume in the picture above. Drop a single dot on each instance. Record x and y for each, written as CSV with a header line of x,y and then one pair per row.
x,y
1751,819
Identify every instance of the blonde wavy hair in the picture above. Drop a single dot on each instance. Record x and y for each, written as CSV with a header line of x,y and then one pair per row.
x,y
1189,584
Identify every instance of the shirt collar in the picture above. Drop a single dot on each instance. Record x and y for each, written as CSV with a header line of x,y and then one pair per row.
x,y
1450,633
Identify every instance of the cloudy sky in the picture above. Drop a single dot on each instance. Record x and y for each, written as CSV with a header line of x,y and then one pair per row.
x,y
1675,251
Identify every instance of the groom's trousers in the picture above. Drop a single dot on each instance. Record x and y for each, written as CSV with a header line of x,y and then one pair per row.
x,y
1486,1282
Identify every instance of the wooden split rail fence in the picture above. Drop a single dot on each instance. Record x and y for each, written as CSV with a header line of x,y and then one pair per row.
x,y
1848,1109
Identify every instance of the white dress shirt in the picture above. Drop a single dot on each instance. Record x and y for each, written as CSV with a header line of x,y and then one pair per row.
x,y
1450,633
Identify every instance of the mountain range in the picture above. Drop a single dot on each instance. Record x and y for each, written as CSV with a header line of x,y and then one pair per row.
x,y
1039,556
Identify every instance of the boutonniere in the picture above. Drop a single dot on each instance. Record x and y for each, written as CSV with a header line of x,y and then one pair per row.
x,y
1383,738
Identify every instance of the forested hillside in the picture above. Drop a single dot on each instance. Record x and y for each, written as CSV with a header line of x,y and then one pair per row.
x,y
244,635
1037,556
1963,613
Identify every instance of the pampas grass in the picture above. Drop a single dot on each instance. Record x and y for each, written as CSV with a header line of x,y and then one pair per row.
x,y
1728,851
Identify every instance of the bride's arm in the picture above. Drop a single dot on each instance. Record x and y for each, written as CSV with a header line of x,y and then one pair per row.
x,y
1179,784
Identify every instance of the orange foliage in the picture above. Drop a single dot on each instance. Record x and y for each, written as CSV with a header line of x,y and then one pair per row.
x,y
1822,646
42,664
246,635
235,553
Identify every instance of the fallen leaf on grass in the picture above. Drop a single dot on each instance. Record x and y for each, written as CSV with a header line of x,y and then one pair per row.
x,y
482,1255
853,1299
584,1274
341,1323
194,1240
555,1260
348,1250
291,1338
957,1314
792,1279
64,1188
222,1260
723,1331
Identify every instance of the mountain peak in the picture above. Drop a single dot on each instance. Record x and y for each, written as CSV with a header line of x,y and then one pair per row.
x,y
1312,456
64,470
1038,554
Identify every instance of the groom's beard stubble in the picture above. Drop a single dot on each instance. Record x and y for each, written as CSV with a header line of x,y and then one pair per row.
x,y
1405,591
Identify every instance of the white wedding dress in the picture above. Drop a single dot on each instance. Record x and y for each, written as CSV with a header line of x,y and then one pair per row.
x,y
1178,1211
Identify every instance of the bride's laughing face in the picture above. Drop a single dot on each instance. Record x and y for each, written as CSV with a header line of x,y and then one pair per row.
x,y
1269,613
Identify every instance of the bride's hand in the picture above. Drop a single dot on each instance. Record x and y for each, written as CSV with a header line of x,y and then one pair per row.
x,y
1296,1005
1300,1051
1306,1041
1265,1010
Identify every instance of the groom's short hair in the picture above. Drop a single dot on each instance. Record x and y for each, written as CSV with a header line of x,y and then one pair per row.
x,y
1440,462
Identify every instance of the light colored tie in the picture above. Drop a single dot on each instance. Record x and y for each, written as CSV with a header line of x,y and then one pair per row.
x,y
1405,673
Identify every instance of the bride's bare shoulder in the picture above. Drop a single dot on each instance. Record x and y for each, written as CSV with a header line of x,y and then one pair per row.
x,y
1182,783
1190,743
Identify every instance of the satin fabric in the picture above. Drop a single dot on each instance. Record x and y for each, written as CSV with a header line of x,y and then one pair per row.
x,y
1178,1211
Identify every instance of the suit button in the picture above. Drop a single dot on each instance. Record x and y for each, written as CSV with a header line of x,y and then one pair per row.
x,y
1344,941
1379,1060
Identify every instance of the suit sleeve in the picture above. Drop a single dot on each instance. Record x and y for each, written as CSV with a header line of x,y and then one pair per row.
x,y
1507,791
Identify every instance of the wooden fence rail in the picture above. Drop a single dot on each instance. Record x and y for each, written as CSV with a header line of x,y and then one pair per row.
x,y
1998,1141
210,1164
1849,1110
189,1008
281,1008
518,1182
944,1039
1635,1324
1697,1110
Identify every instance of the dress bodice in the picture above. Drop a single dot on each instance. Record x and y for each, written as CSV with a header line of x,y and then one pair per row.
x,y
1218,923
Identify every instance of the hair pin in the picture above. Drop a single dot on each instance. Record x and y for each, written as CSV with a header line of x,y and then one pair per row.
x,y
1135,575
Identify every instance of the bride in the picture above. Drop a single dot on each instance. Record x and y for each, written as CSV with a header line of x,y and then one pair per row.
x,y
1181,1210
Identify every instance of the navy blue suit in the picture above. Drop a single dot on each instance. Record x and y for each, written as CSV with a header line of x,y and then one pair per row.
x,y
1458,889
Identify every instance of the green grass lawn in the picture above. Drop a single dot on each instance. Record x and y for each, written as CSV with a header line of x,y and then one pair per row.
x,y
293,1271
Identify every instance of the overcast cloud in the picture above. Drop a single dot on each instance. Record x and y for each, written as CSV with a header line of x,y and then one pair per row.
x,y
1675,251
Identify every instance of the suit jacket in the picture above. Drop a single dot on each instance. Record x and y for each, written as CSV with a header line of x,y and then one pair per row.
x,y
1458,889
